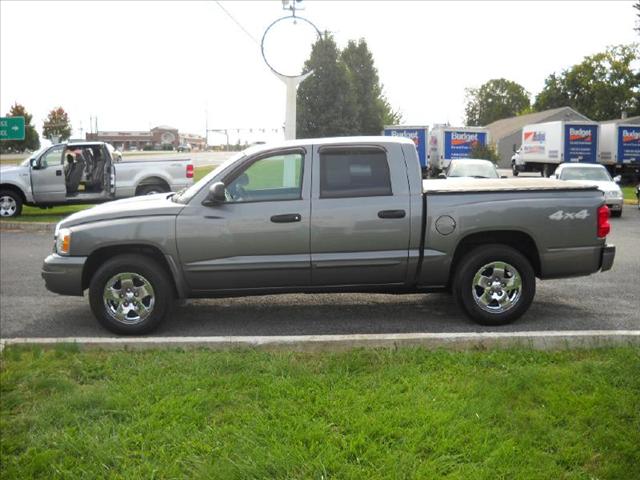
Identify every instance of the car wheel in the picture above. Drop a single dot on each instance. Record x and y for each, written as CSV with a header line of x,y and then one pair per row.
x,y
130,294
494,284
617,213
10,204
514,169
151,189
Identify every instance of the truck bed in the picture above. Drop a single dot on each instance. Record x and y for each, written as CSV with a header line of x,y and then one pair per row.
x,y
436,186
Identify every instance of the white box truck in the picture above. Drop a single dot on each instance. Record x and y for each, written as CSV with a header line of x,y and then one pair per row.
x,y
547,145
447,143
620,149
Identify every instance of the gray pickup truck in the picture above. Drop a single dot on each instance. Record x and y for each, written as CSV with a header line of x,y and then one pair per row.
x,y
85,172
329,215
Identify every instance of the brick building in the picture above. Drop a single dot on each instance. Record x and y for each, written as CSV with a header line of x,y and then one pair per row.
x,y
156,138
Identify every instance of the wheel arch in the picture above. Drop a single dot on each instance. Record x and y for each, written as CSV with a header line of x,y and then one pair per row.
x,y
99,256
516,239
14,188
153,180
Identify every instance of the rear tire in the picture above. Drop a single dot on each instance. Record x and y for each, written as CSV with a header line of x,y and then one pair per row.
x,y
617,213
151,190
494,284
131,294
10,204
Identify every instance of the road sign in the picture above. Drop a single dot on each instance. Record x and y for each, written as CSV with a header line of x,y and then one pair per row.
x,y
11,128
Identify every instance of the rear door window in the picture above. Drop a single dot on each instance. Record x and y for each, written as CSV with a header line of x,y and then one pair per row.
x,y
354,172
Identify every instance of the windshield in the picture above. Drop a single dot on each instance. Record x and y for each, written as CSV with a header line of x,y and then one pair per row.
x,y
476,170
187,194
585,173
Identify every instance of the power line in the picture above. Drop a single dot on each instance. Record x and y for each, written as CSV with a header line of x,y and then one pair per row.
x,y
238,23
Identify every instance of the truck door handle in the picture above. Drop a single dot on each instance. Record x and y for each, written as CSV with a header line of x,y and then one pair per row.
x,y
392,214
58,173
286,218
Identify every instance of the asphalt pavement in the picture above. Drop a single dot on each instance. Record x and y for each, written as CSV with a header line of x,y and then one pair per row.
x,y
604,301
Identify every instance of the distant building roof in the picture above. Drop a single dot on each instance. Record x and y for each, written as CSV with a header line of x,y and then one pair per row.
x,y
632,120
124,133
164,127
506,126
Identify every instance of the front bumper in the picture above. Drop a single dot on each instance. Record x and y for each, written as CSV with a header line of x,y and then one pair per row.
x,y
608,254
63,275
615,204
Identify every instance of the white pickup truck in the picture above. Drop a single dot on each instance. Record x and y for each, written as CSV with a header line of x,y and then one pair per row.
x,y
85,172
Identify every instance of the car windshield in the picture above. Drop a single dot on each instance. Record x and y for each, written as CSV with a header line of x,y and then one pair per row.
x,y
187,194
476,170
585,173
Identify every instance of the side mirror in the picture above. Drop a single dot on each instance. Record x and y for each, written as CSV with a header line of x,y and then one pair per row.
x,y
617,178
216,194
442,175
35,164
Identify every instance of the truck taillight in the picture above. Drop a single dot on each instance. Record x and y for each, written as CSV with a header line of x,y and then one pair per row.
x,y
604,227
190,171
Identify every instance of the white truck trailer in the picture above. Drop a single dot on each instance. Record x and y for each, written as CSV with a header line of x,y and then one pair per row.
x,y
448,143
547,145
620,150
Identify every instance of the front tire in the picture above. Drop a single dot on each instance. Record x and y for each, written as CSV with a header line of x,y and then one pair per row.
x,y
494,284
130,294
10,204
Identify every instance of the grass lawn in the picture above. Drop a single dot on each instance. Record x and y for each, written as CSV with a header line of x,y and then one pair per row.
x,y
55,214
364,414
629,193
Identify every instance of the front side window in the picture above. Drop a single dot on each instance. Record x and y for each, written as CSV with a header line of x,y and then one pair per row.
x,y
52,157
278,177
354,172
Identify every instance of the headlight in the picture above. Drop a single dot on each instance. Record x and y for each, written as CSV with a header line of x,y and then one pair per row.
x,y
63,241
614,194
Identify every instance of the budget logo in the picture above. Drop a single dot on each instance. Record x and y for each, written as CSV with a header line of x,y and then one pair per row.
x,y
413,135
579,135
630,136
534,137
463,138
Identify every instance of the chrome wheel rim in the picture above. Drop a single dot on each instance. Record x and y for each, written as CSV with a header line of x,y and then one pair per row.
x,y
497,287
8,206
128,298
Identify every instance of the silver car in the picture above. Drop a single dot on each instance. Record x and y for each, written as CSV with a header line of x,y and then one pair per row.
x,y
591,174
471,168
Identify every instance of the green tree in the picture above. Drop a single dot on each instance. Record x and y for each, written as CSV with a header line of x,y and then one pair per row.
x,y
390,116
326,105
637,7
600,87
57,124
31,138
485,152
496,99
372,109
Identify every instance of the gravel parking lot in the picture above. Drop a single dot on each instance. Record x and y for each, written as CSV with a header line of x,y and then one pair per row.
x,y
607,301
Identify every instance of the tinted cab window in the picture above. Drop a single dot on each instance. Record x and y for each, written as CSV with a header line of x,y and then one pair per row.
x,y
354,172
